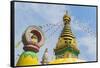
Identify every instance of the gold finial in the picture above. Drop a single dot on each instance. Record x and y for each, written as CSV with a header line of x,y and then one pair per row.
x,y
66,18
66,12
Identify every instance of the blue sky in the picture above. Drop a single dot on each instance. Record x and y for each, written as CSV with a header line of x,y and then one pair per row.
x,y
49,16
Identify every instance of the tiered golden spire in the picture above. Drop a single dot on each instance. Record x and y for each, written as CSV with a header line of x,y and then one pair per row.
x,y
67,33
66,46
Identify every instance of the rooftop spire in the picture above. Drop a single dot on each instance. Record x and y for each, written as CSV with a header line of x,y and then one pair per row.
x,y
66,18
66,46
45,57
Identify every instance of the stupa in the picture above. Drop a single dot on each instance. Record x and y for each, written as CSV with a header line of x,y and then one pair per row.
x,y
66,50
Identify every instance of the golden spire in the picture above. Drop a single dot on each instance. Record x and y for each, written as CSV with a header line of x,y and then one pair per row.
x,y
66,18
66,46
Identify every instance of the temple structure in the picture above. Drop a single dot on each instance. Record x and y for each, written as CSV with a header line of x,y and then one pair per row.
x,y
66,46
66,50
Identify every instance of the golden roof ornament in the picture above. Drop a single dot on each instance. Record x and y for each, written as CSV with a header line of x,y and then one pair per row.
x,y
66,46
66,18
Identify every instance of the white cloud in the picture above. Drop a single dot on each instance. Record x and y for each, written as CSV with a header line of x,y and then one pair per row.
x,y
89,42
84,38
51,13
